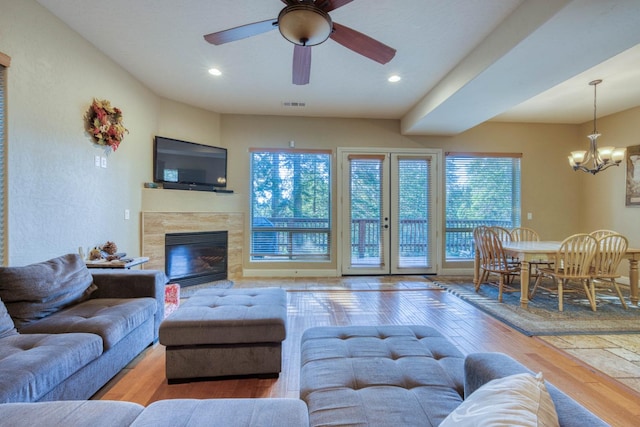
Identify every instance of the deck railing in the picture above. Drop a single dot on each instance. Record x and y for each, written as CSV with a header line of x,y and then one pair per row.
x,y
311,237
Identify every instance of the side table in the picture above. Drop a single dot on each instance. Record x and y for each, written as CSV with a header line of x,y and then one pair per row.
x,y
119,263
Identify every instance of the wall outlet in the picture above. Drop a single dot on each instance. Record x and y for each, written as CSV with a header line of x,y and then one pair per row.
x,y
103,162
127,214
529,215
96,161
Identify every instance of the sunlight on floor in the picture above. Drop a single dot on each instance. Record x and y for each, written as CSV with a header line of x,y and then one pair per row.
x,y
617,356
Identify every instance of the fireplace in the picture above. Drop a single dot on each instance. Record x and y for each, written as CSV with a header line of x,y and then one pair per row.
x,y
194,258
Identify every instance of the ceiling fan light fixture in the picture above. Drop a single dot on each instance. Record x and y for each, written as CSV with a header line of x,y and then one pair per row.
x,y
304,24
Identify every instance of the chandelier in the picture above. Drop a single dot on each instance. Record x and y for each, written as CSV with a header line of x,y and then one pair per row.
x,y
600,158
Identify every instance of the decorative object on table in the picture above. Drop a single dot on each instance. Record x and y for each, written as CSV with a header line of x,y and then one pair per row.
x,y
107,251
600,158
95,254
633,176
110,248
104,123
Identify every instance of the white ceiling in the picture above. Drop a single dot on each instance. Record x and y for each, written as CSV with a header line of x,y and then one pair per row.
x,y
462,62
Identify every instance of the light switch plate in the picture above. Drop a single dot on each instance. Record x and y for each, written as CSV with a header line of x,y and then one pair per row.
x,y
103,162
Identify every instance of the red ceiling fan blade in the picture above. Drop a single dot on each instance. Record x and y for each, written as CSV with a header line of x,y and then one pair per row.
x,y
301,64
241,32
326,5
362,44
329,5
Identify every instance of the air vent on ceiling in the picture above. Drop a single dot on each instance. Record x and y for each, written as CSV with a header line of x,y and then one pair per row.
x,y
294,104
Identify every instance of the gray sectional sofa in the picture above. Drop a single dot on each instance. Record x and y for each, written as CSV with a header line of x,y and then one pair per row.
x,y
402,376
356,375
65,332
352,375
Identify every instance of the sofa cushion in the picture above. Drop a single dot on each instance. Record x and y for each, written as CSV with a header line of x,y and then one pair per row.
x,y
38,290
31,365
519,399
224,413
72,413
110,318
7,327
379,375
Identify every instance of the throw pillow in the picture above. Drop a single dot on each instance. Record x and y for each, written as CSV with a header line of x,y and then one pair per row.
x,y
516,400
38,290
7,328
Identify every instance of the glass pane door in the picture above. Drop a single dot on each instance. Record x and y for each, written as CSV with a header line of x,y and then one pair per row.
x,y
412,230
367,211
388,210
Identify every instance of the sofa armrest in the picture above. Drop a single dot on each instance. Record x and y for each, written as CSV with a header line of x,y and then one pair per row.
x,y
113,283
480,368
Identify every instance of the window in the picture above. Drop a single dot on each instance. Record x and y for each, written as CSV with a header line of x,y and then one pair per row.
x,y
482,189
4,63
290,205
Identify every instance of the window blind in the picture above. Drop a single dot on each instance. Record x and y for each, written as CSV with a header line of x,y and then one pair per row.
x,y
367,241
480,190
290,205
413,219
3,142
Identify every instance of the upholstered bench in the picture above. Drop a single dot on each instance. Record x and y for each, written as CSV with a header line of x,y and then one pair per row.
x,y
226,332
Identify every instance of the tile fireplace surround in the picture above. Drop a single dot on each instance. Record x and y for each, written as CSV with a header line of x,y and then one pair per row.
x,y
156,224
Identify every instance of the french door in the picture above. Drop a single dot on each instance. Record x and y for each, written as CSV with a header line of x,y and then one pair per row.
x,y
388,211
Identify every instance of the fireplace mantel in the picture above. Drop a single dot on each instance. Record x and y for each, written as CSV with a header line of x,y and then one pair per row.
x,y
161,200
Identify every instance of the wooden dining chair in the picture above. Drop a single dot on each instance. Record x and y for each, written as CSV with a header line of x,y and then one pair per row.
x,y
503,234
495,259
604,268
505,237
525,234
598,234
572,262
478,235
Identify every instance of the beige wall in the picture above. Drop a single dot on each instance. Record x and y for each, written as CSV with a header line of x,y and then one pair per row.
x,y
603,195
58,199
549,186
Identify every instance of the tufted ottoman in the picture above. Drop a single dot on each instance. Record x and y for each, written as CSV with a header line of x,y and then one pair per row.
x,y
226,332
379,376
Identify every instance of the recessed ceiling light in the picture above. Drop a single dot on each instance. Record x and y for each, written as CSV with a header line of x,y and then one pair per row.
x,y
215,72
394,78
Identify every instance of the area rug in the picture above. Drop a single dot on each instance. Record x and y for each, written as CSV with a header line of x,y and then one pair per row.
x,y
188,291
542,316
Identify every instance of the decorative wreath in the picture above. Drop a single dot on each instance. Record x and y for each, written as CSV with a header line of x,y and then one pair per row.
x,y
104,124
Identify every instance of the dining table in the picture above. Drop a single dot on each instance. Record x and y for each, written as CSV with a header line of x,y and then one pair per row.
x,y
545,250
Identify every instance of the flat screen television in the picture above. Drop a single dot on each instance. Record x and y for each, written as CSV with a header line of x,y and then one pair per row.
x,y
186,165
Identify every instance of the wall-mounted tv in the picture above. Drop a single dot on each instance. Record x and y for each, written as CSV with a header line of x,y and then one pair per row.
x,y
186,165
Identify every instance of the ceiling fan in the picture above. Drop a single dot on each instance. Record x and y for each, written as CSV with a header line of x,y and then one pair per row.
x,y
307,23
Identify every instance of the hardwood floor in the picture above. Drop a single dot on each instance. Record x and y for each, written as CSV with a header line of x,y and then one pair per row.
x,y
384,300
